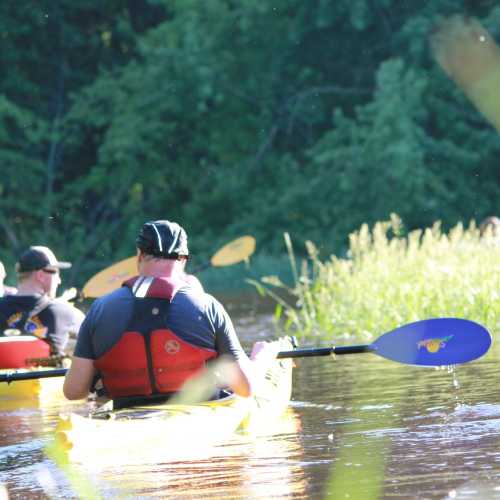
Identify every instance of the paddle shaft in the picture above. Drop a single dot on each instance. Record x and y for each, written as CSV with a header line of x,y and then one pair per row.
x,y
325,351
297,353
16,376
200,268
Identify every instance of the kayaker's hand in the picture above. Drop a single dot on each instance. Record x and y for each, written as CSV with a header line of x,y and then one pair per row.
x,y
264,352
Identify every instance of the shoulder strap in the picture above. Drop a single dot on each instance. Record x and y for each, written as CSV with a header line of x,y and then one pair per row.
x,y
44,302
27,315
150,287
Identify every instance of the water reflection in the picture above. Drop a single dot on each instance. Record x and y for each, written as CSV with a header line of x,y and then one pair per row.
x,y
258,466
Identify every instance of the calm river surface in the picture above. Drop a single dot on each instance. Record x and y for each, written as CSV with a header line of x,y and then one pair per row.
x,y
356,423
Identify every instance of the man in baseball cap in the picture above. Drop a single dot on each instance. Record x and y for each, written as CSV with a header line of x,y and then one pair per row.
x,y
34,310
162,321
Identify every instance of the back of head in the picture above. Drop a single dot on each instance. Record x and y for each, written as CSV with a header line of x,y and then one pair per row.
x,y
163,239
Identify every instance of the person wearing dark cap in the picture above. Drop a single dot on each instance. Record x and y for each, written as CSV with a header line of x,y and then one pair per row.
x,y
34,310
146,339
5,289
155,235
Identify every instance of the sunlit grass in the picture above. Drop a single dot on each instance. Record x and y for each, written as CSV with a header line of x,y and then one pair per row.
x,y
388,280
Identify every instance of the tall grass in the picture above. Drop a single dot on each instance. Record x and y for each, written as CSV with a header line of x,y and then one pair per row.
x,y
390,279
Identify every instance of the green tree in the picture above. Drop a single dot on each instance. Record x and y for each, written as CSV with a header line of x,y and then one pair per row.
x,y
219,114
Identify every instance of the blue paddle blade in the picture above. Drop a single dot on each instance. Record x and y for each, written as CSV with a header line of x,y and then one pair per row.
x,y
434,342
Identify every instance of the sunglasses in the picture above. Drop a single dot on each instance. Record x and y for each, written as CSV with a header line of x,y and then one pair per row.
x,y
51,271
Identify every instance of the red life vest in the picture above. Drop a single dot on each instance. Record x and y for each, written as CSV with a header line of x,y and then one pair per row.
x,y
149,358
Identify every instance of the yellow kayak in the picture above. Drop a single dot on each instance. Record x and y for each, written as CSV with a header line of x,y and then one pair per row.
x,y
41,389
21,354
167,431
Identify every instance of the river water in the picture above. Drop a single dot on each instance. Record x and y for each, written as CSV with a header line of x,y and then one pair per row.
x,y
358,427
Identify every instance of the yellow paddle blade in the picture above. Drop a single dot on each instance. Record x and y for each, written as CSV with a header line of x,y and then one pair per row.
x,y
110,278
470,56
234,252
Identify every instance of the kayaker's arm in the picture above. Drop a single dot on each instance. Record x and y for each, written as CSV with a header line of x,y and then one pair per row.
x,y
249,372
243,375
238,378
79,378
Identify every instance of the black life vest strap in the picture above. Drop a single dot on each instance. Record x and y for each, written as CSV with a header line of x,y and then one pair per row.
x,y
27,315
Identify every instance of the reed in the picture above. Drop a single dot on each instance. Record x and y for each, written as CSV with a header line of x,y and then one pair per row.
x,y
390,278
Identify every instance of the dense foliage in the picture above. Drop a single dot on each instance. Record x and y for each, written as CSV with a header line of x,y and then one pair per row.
x,y
233,117
390,279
